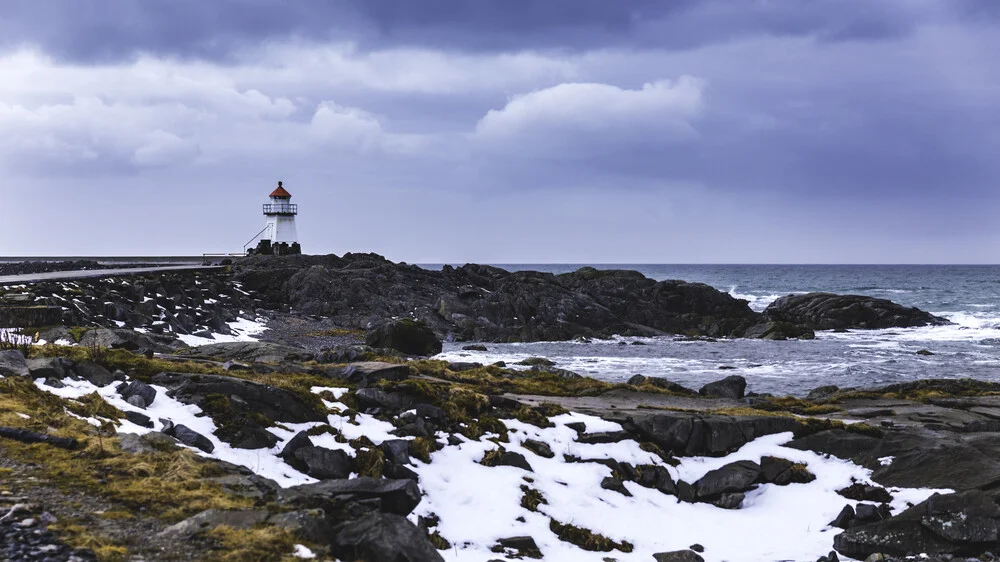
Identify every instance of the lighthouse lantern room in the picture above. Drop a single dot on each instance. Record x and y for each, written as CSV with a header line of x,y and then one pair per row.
x,y
279,237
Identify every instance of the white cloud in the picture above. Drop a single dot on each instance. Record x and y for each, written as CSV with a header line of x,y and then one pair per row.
x,y
593,112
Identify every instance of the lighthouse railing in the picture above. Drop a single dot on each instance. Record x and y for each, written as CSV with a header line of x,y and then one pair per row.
x,y
281,209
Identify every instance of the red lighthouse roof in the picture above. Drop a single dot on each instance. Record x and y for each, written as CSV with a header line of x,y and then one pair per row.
x,y
280,192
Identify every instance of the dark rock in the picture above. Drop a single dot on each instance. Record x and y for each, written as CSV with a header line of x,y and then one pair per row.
x,y
382,537
779,331
367,373
729,501
374,398
825,311
686,492
783,472
518,547
140,390
249,437
578,427
732,387
396,451
693,434
506,458
735,477
396,496
865,493
141,420
324,464
275,404
678,556
192,438
926,352
475,347
832,557
540,448
537,362
844,518
96,374
245,352
822,393
615,485
603,437
460,366
431,413
13,364
867,513
300,440
406,335
656,477
697,548
310,524
964,523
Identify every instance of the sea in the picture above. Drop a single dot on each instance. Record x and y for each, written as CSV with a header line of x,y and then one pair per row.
x,y
968,295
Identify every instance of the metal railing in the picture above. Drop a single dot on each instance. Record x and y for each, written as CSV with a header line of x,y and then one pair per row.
x,y
281,209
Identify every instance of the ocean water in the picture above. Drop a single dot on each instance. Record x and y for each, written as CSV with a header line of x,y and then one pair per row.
x,y
966,295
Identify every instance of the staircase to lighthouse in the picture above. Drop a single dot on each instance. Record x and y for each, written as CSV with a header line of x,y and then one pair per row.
x,y
279,237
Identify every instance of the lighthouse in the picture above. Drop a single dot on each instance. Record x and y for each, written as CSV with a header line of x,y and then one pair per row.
x,y
279,237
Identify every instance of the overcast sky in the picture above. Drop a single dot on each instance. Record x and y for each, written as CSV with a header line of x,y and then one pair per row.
x,y
581,131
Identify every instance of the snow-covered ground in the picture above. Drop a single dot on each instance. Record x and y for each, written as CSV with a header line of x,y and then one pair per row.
x,y
478,505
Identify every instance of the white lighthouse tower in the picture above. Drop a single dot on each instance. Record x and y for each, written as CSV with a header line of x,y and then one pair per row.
x,y
279,236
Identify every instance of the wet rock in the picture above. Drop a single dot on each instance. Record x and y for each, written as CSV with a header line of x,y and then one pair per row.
x,y
406,335
779,331
825,311
732,387
474,347
537,362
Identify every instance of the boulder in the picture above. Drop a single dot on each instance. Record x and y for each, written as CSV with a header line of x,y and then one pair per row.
x,y
732,387
782,472
13,364
247,352
192,438
56,368
735,477
825,311
300,440
382,537
965,523
367,373
844,518
138,389
656,477
142,420
518,547
695,434
506,458
275,404
406,335
394,496
323,464
248,437
96,374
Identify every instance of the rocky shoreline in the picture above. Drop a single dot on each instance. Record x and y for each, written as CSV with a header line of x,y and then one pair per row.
x,y
337,438
410,417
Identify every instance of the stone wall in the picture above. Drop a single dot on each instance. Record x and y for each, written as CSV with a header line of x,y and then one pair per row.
x,y
30,316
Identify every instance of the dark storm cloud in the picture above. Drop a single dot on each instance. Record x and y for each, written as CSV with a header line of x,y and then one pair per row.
x,y
108,30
